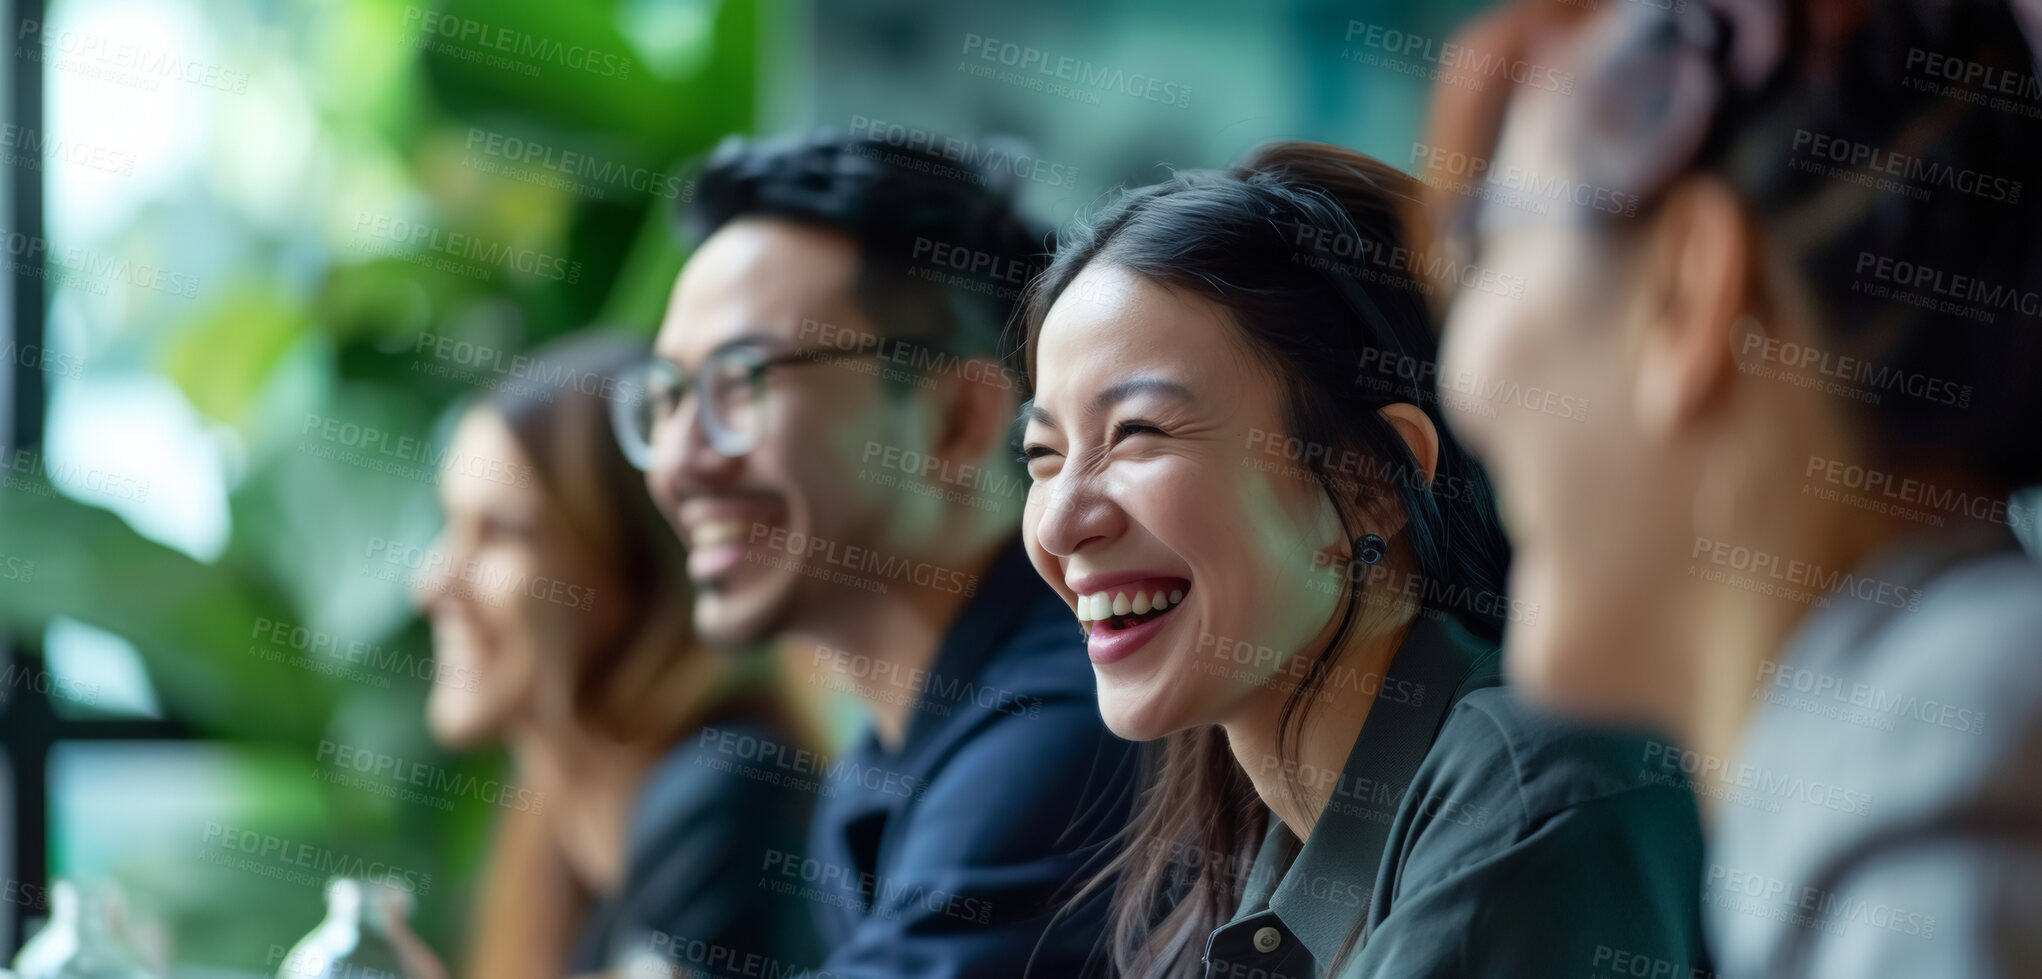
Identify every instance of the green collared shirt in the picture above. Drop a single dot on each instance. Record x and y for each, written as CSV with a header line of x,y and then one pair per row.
x,y
1469,835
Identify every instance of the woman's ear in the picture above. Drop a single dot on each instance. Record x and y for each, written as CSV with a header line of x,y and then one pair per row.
x,y
1420,436
1697,290
1421,440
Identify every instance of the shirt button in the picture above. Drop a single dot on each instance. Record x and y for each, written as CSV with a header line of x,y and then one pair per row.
x,y
1266,939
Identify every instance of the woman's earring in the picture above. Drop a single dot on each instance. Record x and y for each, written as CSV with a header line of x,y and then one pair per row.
x,y
1368,548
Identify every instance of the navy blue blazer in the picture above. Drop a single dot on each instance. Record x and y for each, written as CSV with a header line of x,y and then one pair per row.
x,y
953,856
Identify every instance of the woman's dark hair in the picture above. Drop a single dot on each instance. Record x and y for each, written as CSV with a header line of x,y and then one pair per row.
x,y
623,688
899,201
1864,84
1885,151
1302,245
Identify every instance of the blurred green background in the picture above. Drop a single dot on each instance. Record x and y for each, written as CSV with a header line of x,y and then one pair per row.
x,y
226,265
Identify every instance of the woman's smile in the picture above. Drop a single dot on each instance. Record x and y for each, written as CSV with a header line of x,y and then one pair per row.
x,y
1120,619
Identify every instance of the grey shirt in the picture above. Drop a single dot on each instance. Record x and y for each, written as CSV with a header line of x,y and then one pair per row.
x,y
1469,835
1893,825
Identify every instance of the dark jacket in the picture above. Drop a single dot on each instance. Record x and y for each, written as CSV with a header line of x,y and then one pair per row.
x,y
1468,835
703,822
950,856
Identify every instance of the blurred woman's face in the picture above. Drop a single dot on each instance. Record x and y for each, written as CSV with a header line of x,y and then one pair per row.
x,y
505,646
1151,487
1598,517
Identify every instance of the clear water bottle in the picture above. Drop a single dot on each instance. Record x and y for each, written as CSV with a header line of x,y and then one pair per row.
x,y
644,956
83,938
366,935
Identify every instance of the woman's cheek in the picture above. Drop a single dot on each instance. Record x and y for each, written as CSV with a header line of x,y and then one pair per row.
x,y
497,578
1297,580
511,584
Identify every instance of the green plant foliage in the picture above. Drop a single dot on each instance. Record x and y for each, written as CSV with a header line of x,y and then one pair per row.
x,y
324,320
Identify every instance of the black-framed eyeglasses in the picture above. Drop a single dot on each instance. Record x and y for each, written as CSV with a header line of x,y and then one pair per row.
x,y
732,411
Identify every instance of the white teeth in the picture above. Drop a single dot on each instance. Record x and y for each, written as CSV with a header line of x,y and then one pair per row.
x,y
715,532
1099,606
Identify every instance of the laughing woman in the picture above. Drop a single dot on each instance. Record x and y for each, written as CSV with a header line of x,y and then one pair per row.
x,y
1290,578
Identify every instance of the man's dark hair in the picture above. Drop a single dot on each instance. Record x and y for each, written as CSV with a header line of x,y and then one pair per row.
x,y
943,251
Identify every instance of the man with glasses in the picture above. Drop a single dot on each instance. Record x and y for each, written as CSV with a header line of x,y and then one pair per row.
x,y
827,423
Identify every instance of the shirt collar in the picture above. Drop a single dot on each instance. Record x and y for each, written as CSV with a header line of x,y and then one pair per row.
x,y
1438,663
